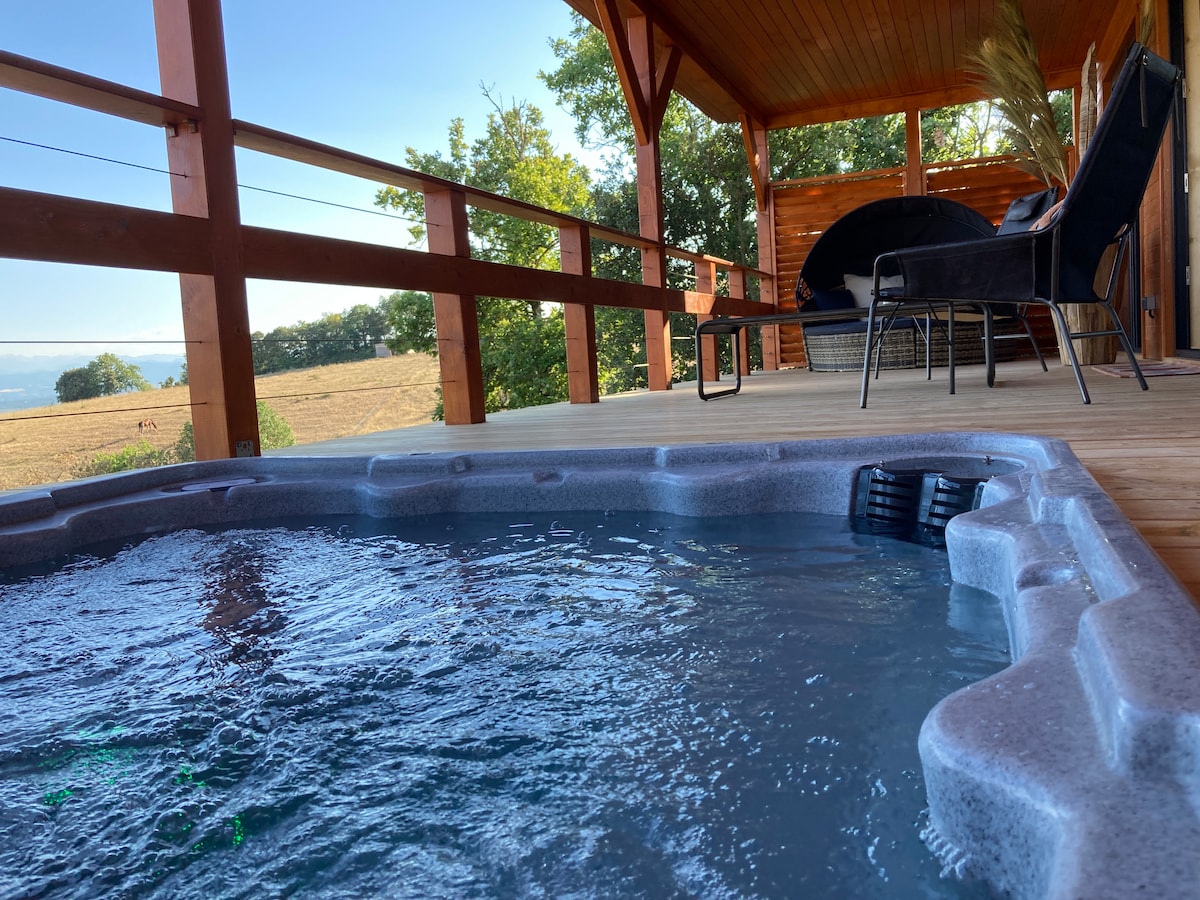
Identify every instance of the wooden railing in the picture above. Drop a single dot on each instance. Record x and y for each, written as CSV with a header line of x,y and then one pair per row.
x,y
53,228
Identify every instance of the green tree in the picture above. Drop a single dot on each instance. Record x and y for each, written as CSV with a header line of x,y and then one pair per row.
x,y
115,376
105,375
76,384
334,338
708,199
410,315
522,348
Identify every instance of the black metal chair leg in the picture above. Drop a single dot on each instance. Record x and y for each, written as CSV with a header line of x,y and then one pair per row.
x,y
1119,330
1065,331
866,378
1033,340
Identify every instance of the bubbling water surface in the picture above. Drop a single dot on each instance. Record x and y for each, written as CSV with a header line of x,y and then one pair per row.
x,y
630,705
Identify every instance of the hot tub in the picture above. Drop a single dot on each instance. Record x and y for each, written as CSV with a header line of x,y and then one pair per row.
x,y
1071,773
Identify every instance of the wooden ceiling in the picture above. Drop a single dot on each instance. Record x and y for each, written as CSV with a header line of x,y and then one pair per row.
x,y
793,63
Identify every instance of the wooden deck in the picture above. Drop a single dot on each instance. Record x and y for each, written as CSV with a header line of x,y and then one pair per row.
x,y
1140,446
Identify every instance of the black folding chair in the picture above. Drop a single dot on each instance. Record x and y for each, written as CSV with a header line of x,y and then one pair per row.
x,y
1058,264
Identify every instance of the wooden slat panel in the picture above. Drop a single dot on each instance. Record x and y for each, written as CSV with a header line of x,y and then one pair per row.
x,y
988,188
803,211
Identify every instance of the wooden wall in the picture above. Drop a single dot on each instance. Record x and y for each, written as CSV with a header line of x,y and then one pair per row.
x,y
805,208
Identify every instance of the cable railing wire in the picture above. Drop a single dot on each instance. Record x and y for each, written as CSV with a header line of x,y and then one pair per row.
x,y
100,412
248,187
107,159
107,341
392,387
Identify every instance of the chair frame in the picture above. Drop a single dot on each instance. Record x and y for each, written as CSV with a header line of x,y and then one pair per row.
x,y
1024,255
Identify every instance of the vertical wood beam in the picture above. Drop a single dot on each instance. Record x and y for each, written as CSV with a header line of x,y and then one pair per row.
x,y
914,171
706,283
754,136
1157,229
737,289
216,322
758,152
579,319
456,316
639,32
659,364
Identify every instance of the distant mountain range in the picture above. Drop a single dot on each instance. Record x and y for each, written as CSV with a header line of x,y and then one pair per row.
x,y
28,381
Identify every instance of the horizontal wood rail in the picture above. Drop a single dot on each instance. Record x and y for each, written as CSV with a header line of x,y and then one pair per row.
x,y
51,228
42,79
297,149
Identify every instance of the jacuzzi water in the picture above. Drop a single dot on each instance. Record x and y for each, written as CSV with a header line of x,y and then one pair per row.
x,y
495,705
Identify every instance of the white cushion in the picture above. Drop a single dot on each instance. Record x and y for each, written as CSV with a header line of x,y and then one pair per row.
x,y
862,286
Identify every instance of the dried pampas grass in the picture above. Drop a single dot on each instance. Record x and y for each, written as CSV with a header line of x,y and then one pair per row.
x,y
1007,63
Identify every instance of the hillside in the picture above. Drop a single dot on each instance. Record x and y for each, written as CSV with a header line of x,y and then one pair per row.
x,y
46,444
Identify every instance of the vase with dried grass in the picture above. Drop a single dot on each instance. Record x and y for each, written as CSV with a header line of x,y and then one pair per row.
x,y
1007,64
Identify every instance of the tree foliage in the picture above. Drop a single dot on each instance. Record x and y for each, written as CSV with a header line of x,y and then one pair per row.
x,y
105,375
142,455
980,129
335,338
521,342
273,433
76,384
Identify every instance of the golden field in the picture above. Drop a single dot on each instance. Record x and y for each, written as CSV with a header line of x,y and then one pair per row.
x,y
48,444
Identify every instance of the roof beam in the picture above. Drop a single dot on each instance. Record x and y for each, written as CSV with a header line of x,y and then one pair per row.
x,y
677,36
754,135
613,24
967,93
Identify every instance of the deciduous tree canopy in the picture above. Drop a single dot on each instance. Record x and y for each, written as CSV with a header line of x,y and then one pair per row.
x,y
106,374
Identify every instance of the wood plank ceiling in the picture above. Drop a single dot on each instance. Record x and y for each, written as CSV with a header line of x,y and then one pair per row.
x,y
788,63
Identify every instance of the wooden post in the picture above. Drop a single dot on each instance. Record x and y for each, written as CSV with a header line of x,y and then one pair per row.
x,y
737,290
754,134
914,170
579,319
455,315
216,321
646,82
706,283
659,365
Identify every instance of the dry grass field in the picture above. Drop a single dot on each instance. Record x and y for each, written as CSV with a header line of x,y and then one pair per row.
x,y
48,444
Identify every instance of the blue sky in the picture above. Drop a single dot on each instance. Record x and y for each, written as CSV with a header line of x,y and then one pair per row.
x,y
370,76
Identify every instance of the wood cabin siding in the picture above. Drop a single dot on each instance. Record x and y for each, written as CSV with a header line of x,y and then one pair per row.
x,y
805,208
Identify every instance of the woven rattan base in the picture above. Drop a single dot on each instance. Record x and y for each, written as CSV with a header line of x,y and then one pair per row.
x,y
904,348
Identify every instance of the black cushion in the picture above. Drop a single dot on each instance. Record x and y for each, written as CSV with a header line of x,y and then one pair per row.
x,y
1024,212
837,298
